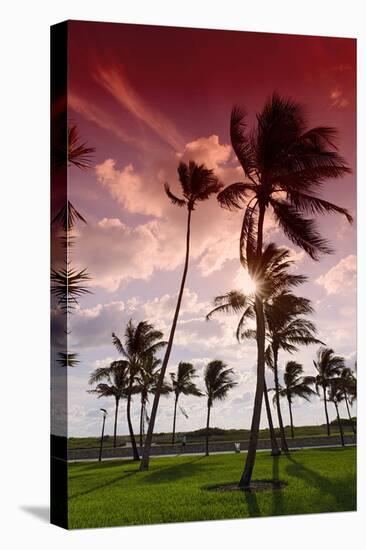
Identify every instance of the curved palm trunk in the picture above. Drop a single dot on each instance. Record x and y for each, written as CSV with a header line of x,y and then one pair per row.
x,y
258,399
284,445
326,410
174,419
349,414
274,445
136,455
148,440
115,423
339,424
291,419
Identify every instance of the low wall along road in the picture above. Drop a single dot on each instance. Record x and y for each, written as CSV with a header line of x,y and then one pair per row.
x,y
199,448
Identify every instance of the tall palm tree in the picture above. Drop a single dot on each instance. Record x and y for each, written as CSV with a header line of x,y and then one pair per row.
x,y
285,165
218,382
140,341
111,381
328,366
272,278
348,384
295,385
286,330
182,383
336,396
198,183
145,383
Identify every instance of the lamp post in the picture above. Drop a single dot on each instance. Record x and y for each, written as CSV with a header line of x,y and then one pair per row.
x,y
101,439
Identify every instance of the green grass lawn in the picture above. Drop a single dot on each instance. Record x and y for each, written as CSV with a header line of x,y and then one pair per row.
x,y
175,489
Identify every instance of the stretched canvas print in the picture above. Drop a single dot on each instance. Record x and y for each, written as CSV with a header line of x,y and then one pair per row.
x,y
203,282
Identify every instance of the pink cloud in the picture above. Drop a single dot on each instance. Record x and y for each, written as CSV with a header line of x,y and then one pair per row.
x,y
340,277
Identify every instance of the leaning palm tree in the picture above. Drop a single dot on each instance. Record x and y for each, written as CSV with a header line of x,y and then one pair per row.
x,y
336,396
271,278
140,341
328,366
218,382
285,165
182,383
145,384
286,330
111,381
295,385
198,183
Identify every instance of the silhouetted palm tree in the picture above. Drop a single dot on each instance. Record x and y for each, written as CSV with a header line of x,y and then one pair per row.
x,y
348,384
198,184
285,165
115,384
145,383
182,383
218,382
286,330
140,341
271,278
295,385
336,396
328,366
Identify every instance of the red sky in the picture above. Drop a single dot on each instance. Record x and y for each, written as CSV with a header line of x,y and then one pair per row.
x,y
147,96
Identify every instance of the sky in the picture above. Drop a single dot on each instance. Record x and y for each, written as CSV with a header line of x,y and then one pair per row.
x,y
147,98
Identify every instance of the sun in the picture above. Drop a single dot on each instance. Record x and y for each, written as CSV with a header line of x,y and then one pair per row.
x,y
244,282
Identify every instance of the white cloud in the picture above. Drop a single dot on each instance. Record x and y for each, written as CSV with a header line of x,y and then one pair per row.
x,y
340,277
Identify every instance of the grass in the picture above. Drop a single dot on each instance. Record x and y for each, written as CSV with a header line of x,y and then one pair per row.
x,y
175,489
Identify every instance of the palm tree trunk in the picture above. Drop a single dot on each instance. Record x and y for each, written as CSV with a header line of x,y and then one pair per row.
x,y
291,419
258,399
274,445
326,410
141,422
339,424
349,413
148,440
284,445
174,418
136,455
115,423
207,426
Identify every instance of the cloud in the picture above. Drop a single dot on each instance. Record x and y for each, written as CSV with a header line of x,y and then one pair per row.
x,y
340,277
337,98
114,80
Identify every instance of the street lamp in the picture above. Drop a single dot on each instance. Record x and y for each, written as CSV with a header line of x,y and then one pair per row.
x,y
101,439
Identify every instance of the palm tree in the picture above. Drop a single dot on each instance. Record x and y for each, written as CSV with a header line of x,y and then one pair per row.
x,y
295,385
285,165
182,384
111,381
198,184
336,396
140,341
286,330
348,384
218,382
145,383
271,278
328,366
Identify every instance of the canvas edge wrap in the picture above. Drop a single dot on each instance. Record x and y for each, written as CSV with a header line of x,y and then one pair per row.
x,y
59,195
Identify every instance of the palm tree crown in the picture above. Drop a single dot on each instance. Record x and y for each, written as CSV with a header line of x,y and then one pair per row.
x,y
182,381
218,381
295,384
197,183
285,166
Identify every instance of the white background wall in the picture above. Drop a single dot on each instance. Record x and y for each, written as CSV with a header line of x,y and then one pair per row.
x,y
24,386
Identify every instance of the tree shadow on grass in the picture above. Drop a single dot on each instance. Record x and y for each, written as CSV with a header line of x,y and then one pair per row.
x,y
338,489
277,501
86,467
176,472
103,485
